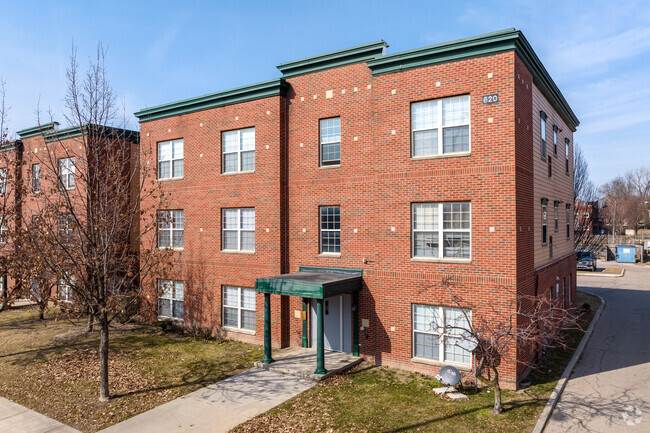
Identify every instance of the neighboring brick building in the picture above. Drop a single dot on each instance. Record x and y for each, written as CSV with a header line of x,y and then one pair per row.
x,y
393,173
589,219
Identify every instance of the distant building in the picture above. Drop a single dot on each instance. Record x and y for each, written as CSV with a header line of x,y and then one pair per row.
x,y
588,217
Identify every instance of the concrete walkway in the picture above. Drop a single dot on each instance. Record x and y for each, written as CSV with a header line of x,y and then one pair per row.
x,y
15,418
219,407
609,389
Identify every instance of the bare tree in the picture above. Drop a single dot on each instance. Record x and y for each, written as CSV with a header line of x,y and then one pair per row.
x,y
627,199
585,194
94,234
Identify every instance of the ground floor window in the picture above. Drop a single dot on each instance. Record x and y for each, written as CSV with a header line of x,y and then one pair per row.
x,y
436,332
65,291
238,308
171,299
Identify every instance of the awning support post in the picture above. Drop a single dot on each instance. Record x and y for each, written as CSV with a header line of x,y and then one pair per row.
x,y
267,329
304,322
320,340
355,323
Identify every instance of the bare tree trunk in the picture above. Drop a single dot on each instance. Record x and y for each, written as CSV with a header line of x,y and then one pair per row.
x,y
91,320
498,406
103,357
41,309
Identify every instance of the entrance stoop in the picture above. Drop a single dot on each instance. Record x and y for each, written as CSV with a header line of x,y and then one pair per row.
x,y
300,361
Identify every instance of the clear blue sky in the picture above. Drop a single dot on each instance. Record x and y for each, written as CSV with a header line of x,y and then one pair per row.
x,y
598,52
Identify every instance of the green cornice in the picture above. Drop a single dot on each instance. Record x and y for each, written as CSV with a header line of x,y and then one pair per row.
x,y
478,46
11,146
265,89
37,130
100,131
334,59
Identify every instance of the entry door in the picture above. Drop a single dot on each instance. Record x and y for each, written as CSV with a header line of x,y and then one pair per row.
x,y
337,323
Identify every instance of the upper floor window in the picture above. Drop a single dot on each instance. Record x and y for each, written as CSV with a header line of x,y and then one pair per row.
x,y
3,233
436,224
170,159
436,332
239,308
440,126
65,225
566,155
330,141
330,229
238,150
238,229
556,215
555,131
36,178
568,221
544,221
3,180
66,172
66,293
542,133
171,225
171,299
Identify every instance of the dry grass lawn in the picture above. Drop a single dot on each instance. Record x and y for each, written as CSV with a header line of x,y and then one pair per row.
x,y
51,366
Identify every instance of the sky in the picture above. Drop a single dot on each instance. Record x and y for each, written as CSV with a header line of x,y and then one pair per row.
x,y
597,52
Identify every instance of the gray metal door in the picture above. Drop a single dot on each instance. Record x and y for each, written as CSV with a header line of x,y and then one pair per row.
x,y
337,323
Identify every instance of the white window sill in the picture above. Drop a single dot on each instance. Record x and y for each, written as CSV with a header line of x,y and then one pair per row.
x,y
441,260
334,255
171,248
238,330
232,173
237,252
444,155
173,319
166,179
462,367
324,167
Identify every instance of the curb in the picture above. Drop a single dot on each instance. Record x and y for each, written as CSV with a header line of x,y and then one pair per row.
x,y
557,392
585,274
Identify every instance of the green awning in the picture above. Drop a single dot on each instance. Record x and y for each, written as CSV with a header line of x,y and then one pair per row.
x,y
312,282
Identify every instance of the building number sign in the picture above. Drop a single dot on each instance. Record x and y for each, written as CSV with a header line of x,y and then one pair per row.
x,y
491,99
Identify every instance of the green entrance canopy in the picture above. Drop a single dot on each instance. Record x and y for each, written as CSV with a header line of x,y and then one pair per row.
x,y
312,282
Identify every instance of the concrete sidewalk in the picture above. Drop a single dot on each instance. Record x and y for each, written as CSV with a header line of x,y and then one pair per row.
x,y
15,418
219,407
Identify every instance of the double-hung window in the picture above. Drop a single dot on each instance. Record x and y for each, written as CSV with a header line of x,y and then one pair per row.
x,y
171,299
542,133
437,333
568,221
556,215
3,180
66,293
555,131
3,231
171,225
170,159
441,224
238,150
66,172
66,226
330,229
566,155
36,178
440,126
238,229
239,308
544,221
330,141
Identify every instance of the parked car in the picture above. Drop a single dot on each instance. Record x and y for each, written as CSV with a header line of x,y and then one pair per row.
x,y
586,260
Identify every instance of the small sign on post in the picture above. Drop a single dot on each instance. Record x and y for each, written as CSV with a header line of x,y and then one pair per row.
x,y
491,99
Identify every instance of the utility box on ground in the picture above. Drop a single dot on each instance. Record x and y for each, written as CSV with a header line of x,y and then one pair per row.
x,y
626,253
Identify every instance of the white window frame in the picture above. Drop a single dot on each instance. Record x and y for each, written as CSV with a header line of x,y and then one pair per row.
x,y
64,225
171,296
542,134
3,180
67,173
36,178
441,128
239,230
3,232
63,288
330,162
176,223
556,216
555,131
441,231
171,159
321,230
544,223
239,152
239,308
568,222
566,155
441,331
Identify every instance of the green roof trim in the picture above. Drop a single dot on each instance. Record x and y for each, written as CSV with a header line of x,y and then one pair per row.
x,y
10,146
265,89
478,46
101,131
312,282
37,130
335,59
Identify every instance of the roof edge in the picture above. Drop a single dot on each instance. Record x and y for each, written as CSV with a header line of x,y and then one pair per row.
x,y
37,130
102,131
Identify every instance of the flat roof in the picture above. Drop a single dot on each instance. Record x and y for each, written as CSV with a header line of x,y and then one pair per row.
x,y
312,282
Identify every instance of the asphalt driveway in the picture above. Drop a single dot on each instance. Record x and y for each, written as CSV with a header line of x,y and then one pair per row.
x,y
609,390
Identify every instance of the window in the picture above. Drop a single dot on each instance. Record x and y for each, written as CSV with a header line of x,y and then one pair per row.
x,y
440,126
3,233
550,167
239,308
330,141
171,224
66,172
171,298
556,215
544,221
453,234
569,287
36,178
238,229
566,154
557,290
550,246
238,150
330,229
3,180
555,131
568,221
436,332
65,225
170,159
543,133
65,290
